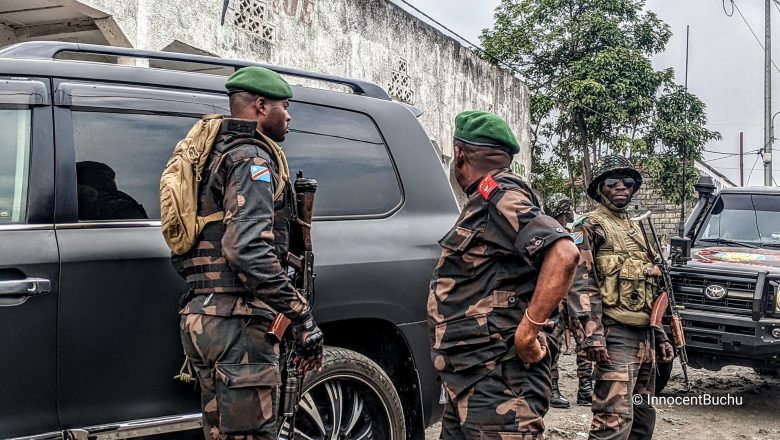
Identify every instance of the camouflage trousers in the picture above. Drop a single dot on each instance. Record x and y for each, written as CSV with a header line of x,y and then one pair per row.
x,y
236,364
507,404
584,366
631,371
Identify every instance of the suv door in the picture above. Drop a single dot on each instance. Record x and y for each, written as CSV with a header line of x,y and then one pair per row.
x,y
28,260
119,335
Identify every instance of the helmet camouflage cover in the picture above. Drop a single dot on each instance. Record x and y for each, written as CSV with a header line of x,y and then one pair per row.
x,y
612,165
557,204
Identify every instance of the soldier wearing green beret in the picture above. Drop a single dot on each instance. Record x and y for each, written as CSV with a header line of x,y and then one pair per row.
x,y
236,271
504,268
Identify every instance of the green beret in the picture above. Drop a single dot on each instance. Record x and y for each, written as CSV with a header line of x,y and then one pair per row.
x,y
485,129
260,81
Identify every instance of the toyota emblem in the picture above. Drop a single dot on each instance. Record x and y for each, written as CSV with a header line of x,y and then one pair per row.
x,y
715,292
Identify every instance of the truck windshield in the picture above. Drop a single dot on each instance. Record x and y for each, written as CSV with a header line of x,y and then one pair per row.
x,y
743,219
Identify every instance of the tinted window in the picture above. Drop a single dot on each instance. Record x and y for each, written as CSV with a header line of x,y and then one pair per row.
x,y
14,164
120,157
119,160
344,151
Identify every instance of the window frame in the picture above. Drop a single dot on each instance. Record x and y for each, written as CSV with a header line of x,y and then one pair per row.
x,y
32,93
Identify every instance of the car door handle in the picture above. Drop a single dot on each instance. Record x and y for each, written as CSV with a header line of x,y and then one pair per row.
x,y
25,287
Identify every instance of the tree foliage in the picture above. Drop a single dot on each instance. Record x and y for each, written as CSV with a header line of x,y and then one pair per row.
x,y
594,89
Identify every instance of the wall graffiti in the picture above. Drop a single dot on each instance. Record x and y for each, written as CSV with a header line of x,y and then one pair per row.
x,y
518,168
303,10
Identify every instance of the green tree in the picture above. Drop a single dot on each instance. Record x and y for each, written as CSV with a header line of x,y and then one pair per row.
x,y
677,130
594,89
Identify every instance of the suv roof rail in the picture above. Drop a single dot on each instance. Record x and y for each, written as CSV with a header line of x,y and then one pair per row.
x,y
49,49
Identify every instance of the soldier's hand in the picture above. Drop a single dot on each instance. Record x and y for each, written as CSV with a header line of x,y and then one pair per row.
x,y
531,345
655,272
309,342
665,352
597,354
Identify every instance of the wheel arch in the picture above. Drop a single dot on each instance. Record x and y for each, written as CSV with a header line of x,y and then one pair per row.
x,y
382,342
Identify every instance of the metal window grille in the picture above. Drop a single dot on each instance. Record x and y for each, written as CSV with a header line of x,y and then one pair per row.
x,y
401,82
251,16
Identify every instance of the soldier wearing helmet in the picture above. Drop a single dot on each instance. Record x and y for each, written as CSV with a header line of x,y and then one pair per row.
x,y
560,207
610,304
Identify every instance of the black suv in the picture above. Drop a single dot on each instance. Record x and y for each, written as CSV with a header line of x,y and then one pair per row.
x,y
89,333
729,289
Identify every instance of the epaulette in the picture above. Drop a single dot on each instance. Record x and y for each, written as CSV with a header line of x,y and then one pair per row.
x,y
488,186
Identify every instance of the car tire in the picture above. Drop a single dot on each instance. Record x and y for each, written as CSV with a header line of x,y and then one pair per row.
x,y
352,395
663,373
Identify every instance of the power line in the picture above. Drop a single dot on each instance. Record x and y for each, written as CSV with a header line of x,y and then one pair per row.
x,y
753,167
734,7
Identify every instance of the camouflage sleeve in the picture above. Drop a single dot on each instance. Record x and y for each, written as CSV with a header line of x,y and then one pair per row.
x,y
248,240
531,230
584,298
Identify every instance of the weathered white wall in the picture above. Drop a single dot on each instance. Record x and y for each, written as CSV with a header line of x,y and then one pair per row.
x,y
363,39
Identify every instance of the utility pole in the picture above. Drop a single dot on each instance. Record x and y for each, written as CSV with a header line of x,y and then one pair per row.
x,y
768,96
741,159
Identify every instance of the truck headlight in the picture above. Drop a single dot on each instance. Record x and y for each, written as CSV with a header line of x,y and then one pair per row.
x,y
777,298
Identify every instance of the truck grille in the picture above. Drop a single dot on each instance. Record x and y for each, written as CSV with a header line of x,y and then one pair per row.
x,y
689,291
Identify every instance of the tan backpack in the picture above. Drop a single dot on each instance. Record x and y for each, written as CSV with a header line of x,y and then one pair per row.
x,y
179,186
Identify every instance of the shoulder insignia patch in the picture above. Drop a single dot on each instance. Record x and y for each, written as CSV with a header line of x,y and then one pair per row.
x,y
487,187
577,237
260,173
579,221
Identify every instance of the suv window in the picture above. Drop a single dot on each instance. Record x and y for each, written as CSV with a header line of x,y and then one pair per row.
x,y
14,164
120,157
119,160
345,152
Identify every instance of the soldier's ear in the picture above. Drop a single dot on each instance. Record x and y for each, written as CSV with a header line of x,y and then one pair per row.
x,y
260,105
460,157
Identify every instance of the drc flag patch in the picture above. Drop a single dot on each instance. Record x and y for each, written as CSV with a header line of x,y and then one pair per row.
x,y
261,173
577,237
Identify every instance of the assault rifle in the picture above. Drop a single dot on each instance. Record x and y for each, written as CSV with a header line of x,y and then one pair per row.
x,y
665,299
303,280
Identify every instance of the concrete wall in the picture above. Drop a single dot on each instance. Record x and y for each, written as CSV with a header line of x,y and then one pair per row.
x,y
367,39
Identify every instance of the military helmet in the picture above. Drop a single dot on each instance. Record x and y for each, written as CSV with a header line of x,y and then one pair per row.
x,y
557,204
610,166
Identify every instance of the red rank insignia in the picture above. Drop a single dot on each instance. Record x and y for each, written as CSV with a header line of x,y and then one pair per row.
x,y
487,187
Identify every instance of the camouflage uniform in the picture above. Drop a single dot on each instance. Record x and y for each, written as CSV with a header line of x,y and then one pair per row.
x,y
556,206
610,304
481,286
237,284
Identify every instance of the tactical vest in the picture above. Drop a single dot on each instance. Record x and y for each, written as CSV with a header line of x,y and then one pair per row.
x,y
627,294
204,268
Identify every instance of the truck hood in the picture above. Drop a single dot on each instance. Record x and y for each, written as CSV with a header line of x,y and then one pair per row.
x,y
738,258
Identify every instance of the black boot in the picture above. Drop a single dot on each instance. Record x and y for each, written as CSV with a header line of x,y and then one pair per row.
x,y
585,392
556,399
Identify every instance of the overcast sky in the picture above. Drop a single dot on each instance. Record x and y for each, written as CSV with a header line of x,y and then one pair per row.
x,y
726,66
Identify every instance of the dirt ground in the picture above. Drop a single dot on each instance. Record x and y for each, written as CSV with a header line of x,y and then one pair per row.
x,y
758,418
